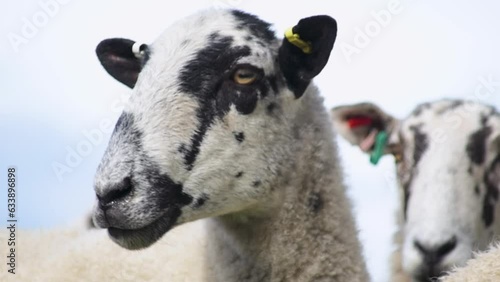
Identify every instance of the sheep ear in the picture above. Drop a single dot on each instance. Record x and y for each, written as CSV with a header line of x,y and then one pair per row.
x,y
360,123
305,51
122,59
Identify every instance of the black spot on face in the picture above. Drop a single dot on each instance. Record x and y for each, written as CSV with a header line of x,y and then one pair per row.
x,y
484,119
239,136
476,146
200,201
256,183
261,44
420,108
476,190
421,143
493,112
470,169
182,149
270,108
452,106
406,191
168,194
257,27
491,180
239,174
273,81
315,202
456,104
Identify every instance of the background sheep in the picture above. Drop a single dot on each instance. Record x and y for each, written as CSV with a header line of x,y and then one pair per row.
x,y
223,124
448,167
485,267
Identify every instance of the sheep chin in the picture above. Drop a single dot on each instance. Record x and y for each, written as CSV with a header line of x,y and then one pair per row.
x,y
136,239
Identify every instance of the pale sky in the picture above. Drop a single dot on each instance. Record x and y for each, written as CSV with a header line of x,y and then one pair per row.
x,y
55,93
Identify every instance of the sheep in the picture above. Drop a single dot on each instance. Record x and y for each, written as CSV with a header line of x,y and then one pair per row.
x,y
448,171
485,267
223,158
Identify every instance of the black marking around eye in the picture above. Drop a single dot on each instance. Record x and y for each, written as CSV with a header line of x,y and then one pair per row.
x,y
476,190
239,136
257,27
476,146
239,174
421,143
256,183
201,77
244,98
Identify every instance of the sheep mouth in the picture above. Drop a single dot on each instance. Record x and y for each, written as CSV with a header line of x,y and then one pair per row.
x,y
135,239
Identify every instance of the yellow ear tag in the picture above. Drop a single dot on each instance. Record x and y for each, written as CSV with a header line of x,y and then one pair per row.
x,y
294,38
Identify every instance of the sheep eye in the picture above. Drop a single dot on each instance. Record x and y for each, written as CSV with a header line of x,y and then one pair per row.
x,y
245,76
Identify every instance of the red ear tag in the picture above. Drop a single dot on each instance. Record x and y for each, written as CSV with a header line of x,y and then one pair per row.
x,y
359,121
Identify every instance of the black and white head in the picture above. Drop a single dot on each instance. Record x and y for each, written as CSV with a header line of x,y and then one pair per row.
x,y
448,167
209,126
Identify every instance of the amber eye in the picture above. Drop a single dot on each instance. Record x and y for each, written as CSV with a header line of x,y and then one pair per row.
x,y
245,76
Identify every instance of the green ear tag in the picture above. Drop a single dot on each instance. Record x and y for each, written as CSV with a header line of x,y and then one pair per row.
x,y
378,151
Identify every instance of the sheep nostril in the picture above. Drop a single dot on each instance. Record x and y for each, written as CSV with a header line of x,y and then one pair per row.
x,y
433,255
114,192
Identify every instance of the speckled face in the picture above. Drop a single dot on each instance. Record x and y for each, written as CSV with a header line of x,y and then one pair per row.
x,y
207,129
450,176
448,168
204,106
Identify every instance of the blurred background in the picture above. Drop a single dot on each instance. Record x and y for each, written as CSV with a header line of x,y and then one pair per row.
x,y
57,103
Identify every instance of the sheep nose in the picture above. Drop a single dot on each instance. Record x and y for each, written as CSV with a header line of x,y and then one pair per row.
x,y
433,255
109,196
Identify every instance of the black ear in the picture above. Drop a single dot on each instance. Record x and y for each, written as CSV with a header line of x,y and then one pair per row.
x,y
120,60
300,65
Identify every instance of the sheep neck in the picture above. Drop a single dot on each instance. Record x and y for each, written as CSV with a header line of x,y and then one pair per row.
x,y
310,235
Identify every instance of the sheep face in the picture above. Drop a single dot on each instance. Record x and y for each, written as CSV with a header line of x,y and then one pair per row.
x,y
448,168
208,129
